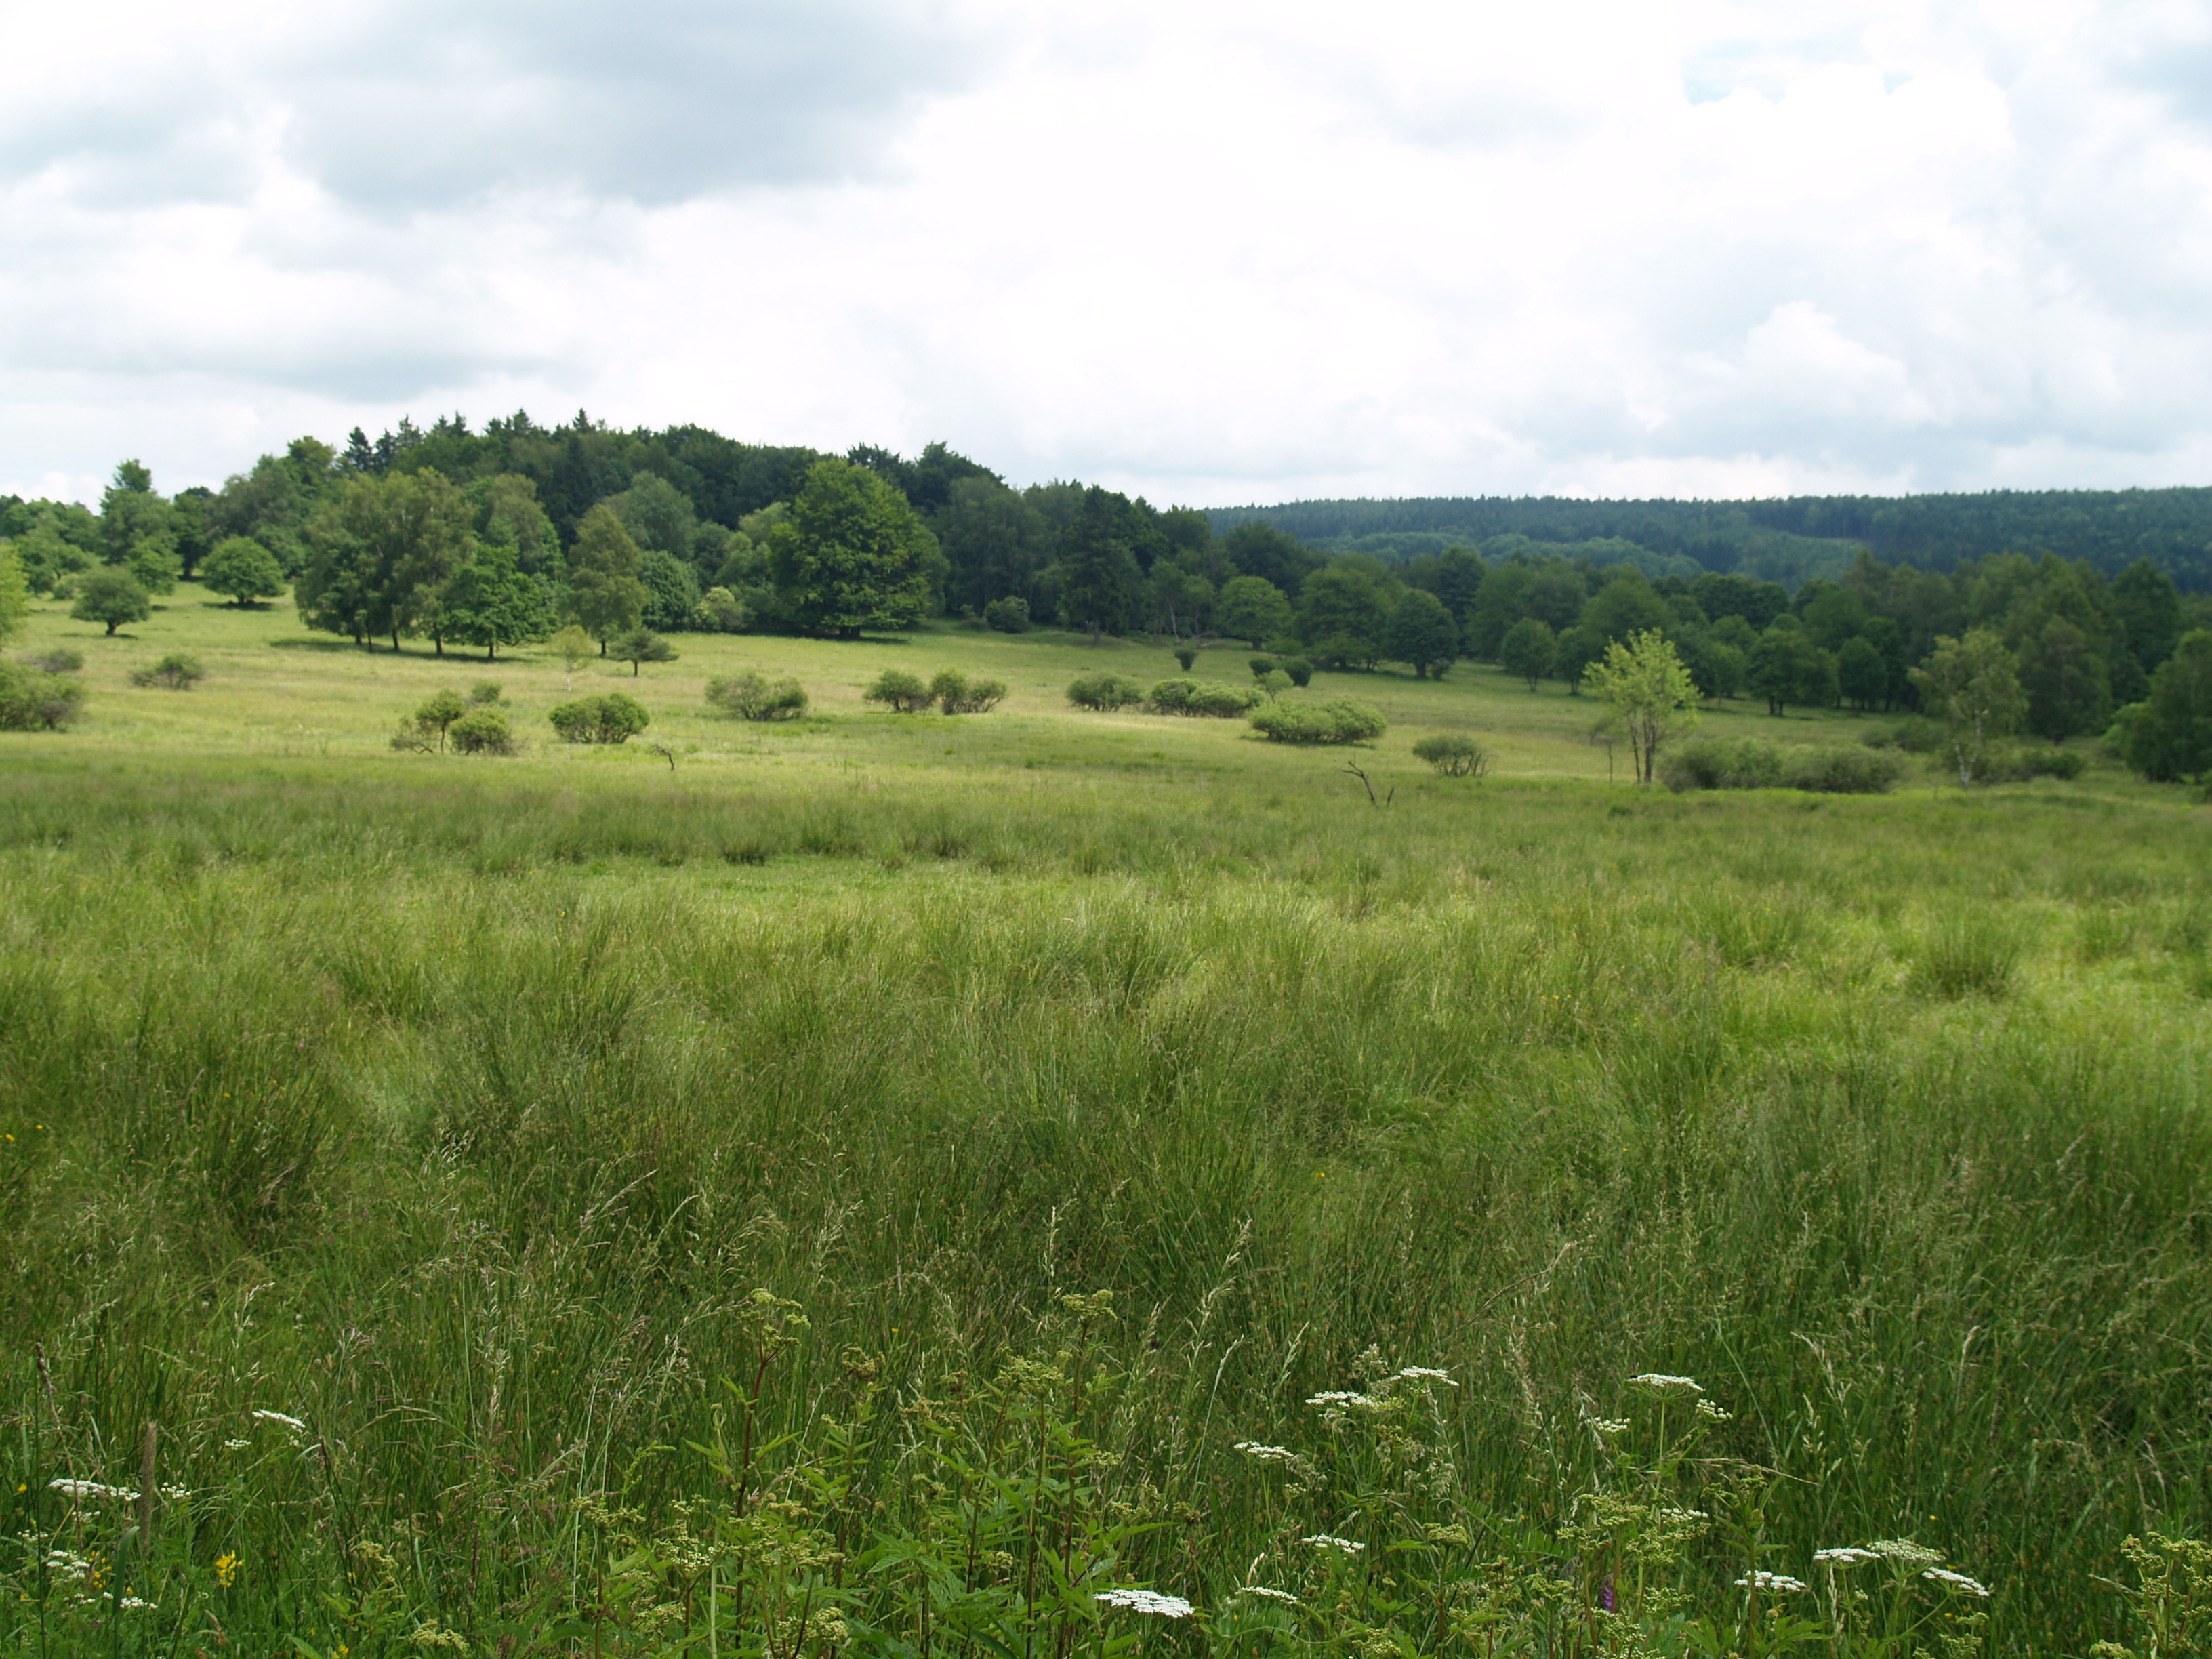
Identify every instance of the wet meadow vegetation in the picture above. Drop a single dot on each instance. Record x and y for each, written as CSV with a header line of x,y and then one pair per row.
x,y
1016,1182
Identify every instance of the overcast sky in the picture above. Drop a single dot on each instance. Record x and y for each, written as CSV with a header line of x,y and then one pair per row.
x,y
1212,253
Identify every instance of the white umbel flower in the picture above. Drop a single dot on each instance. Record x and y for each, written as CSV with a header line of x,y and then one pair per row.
x,y
1780,1583
1144,1601
1323,1541
1266,1454
1425,1374
1659,1383
1905,1552
1850,1555
1266,1594
1957,1580
92,1489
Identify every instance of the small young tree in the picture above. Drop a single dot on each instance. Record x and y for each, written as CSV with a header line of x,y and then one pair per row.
x,y
574,648
34,702
641,646
1423,634
1972,686
243,569
900,691
438,713
1528,650
614,718
1647,692
111,597
2169,735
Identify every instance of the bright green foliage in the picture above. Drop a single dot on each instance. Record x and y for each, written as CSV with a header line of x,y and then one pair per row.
x,y
1299,670
1647,693
1253,609
2169,735
1007,615
244,570
482,731
489,602
1344,614
613,717
954,693
724,611
1455,753
604,590
1972,686
32,700
1338,720
177,671
1186,697
112,598
15,593
753,696
382,552
1422,634
641,646
1528,650
852,555
1104,690
574,647
900,690
435,718
153,560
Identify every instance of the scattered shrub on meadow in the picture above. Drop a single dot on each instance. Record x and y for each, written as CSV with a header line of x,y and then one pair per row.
x,y
614,717
426,731
1204,698
483,731
752,696
1299,670
1007,615
1759,763
485,694
179,671
55,659
1274,682
1100,690
639,646
2019,765
1263,665
956,694
1185,655
902,692
1338,720
112,596
1455,753
33,700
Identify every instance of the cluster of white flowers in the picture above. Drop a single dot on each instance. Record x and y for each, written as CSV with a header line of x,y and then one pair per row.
x,y
1144,1601
1322,1541
1944,1576
236,1445
133,1604
1266,1594
1682,1518
1660,1384
1266,1454
1764,1580
1609,1425
1849,1556
92,1489
1712,1412
1425,1374
291,1423
1341,1397
1905,1552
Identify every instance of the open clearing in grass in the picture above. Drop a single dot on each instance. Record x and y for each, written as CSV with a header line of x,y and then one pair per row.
x,y
455,1107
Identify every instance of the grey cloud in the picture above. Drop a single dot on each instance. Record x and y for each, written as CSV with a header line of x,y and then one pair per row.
x,y
422,108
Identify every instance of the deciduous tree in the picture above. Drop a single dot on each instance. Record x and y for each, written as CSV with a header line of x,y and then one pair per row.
x,y
1648,693
1972,686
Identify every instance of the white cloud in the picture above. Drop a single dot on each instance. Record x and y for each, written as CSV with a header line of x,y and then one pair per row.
x,y
1209,251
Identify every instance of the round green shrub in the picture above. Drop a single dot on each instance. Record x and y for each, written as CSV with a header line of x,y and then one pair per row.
x,y
1338,720
1100,690
1455,753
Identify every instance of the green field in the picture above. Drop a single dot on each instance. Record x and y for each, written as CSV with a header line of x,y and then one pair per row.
x,y
457,1109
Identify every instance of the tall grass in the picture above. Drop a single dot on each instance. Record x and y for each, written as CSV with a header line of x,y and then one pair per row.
x,y
462,1123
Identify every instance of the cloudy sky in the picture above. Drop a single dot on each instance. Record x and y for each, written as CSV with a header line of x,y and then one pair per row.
x,y
1216,252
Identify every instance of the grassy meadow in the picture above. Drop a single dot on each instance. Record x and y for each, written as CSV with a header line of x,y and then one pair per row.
x,y
878,1182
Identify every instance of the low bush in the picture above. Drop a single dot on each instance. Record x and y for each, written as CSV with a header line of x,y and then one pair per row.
x,y
1455,753
1185,655
901,691
57,659
179,671
1100,689
1338,720
483,731
2019,765
753,696
614,717
956,694
33,700
1299,670
1008,616
484,694
1200,697
1263,665
426,731
1760,764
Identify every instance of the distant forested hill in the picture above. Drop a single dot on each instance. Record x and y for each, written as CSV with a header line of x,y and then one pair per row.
x,y
1787,540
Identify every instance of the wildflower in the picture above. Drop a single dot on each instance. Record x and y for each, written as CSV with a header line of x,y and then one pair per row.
x,y
1266,1454
291,1423
226,1569
175,1494
1905,1552
1712,1412
1944,1576
1144,1601
1849,1556
1425,1374
92,1489
1682,1518
1660,1384
132,1604
1262,1590
236,1445
1780,1582
1609,1425
1322,1541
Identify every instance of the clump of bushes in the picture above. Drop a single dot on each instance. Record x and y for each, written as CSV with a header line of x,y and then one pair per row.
x,y
1758,764
483,731
485,694
753,696
1198,698
1008,616
1299,670
1455,753
32,700
2019,765
432,720
902,692
179,671
57,659
1338,720
956,694
616,717
1100,690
